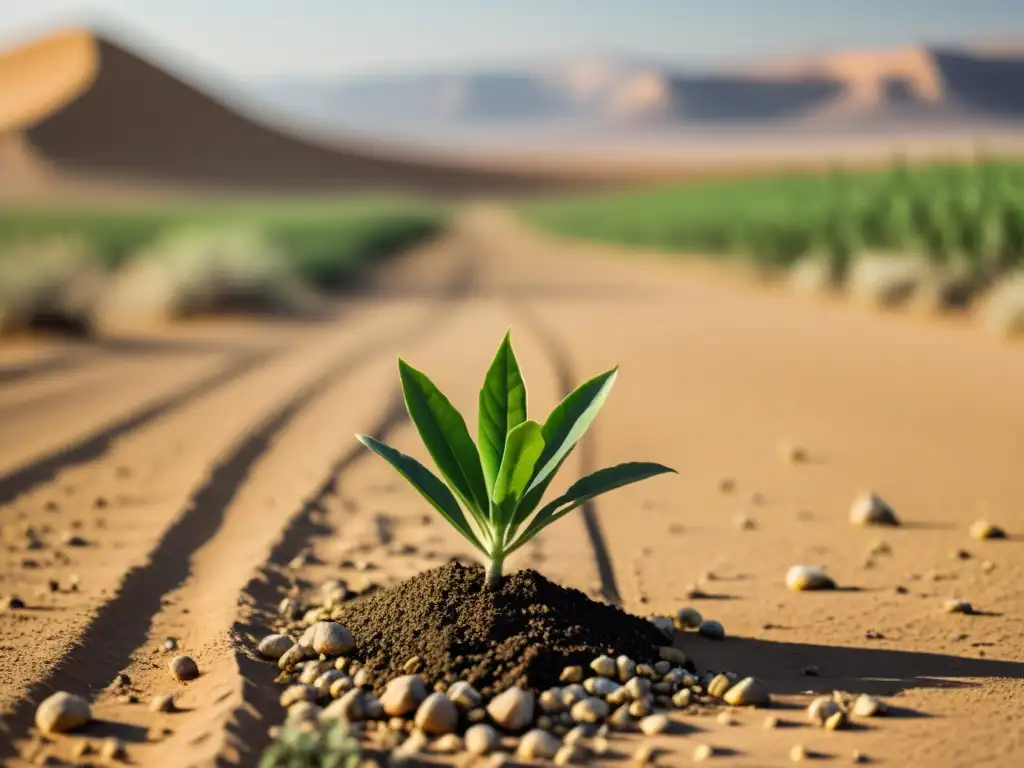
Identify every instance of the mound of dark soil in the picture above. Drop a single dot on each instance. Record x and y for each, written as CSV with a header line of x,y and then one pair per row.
x,y
522,633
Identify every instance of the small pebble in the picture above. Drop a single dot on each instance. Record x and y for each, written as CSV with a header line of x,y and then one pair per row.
x,y
62,712
448,744
792,453
821,709
274,646
672,655
868,706
798,753
184,668
726,485
725,718
957,606
626,668
682,699
801,578
604,666
712,629
11,603
745,522
513,708
987,566
836,721
703,752
332,639
983,529
481,739
164,703
571,675
437,715
403,695
170,644
464,695
296,693
858,757
73,540
600,686
640,708
960,554
748,692
537,744
718,686
770,723
688,618
590,710
570,754
869,509
654,724
112,749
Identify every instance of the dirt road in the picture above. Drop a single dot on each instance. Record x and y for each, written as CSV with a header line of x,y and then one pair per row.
x,y
197,466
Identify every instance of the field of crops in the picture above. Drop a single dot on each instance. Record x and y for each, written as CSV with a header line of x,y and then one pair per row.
x,y
949,214
189,259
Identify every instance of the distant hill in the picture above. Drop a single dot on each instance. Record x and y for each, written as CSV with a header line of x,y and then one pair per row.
x,y
76,106
77,109
906,86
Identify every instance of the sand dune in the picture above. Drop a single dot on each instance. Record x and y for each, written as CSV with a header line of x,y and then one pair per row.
x,y
89,107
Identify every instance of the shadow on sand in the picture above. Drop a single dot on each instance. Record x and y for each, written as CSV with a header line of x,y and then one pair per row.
x,y
880,672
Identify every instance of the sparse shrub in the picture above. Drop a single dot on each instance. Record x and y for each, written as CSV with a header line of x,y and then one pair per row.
x,y
207,271
304,746
1003,308
887,280
50,284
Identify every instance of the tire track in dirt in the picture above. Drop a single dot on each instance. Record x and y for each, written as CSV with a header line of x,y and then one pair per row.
x,y
57,364
94,446
121,625
246,731
561,363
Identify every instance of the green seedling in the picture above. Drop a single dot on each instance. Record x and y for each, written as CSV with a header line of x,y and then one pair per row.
x,y
501,480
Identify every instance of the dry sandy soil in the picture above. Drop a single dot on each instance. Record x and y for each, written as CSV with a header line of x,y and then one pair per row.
x,y
196,464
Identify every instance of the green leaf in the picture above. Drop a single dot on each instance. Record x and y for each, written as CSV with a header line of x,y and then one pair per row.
x,y
530,501
523,447
569,421
428,484
586,488
502,407
444,432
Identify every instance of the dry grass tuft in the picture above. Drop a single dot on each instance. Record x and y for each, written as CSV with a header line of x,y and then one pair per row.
x,y
48,284
195,272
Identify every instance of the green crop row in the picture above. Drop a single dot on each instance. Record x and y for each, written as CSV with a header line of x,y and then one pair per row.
x,y
324,242
952,214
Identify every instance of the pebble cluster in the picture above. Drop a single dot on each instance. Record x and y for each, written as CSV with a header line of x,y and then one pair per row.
x,y
323,683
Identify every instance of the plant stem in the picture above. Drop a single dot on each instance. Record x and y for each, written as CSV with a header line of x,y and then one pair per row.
x,y
494,571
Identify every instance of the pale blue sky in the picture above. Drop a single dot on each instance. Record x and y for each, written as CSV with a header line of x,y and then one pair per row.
x,y
256,38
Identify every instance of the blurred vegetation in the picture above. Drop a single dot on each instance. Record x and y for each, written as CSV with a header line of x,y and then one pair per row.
x,y
309,747
76,269
323,241
968,216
